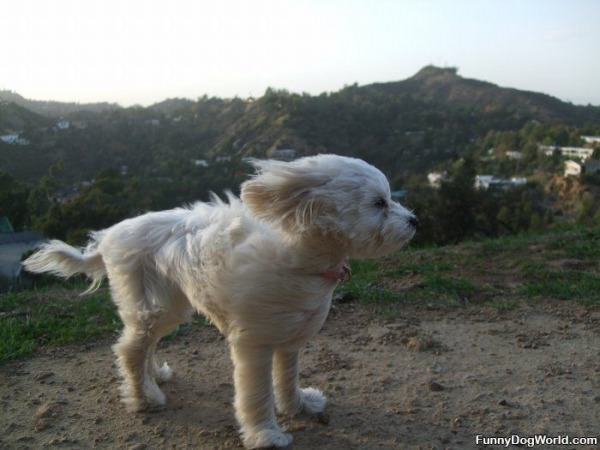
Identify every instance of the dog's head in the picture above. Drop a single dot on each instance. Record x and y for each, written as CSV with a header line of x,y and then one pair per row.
x,y
342,199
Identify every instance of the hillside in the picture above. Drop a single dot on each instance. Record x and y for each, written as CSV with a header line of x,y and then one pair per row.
x,y
14,117
91,169
445,86
406,127
55,109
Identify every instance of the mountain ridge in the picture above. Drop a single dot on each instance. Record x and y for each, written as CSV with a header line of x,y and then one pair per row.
x,y
53,108
438,80
445,85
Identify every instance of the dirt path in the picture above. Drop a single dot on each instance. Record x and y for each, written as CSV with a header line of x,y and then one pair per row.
x,y
428,380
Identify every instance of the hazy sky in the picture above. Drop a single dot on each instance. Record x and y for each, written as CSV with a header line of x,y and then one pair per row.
x,y
143,51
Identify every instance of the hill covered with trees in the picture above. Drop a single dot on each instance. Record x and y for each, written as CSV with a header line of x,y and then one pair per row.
x,y
85,167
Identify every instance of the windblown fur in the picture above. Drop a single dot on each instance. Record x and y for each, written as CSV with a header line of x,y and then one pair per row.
x,y
253,267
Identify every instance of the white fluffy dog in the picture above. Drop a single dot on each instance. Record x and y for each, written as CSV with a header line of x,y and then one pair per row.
x,y
263,270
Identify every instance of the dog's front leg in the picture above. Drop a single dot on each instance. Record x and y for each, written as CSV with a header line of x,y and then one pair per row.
x,y
290,399
253,403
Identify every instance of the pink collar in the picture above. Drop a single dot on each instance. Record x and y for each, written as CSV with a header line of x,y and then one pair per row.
x,y
342,274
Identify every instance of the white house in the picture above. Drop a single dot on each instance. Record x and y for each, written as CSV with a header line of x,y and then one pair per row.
x,y
436,179
570,152
485,182
514,155
591,139
9,138
63,124
201,163
518,181
14,139
572,168
577,152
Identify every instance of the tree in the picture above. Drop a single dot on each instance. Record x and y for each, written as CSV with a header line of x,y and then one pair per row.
x,y
13,200
101,204
458,201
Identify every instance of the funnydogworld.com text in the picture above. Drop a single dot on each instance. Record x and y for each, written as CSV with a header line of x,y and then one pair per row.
x,y
533,441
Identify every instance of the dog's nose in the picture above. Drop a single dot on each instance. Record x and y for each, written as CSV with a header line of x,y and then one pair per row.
x,y
413,221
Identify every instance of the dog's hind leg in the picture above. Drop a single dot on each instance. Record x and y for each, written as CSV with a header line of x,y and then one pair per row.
x,y
139,389
289,398
178,311
253,403
146,321
135,357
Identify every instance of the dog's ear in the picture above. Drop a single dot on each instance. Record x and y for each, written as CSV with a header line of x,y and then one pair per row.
x,y
286,194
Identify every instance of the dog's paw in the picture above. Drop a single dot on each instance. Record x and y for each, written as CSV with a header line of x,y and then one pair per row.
x,y
152,397
267,438
312,400
163,373
137,405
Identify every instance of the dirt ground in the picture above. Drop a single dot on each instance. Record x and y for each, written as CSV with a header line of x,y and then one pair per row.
x,y
429,379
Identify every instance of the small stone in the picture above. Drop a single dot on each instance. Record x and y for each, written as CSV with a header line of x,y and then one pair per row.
x,y
435,386
41,425
323,418
137,446
43,376
44,410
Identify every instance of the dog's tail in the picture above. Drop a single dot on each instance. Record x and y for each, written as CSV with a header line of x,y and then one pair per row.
x,y
61,259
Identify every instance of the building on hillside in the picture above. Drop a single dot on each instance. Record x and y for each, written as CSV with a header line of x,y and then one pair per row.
x,y
13,139
576,169
485,182
517,181
569,152
591,167
10,138
63,124
514,155
591,139
572,168
200,162
436,179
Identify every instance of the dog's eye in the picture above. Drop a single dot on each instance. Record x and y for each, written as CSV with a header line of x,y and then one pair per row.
x,y
381,203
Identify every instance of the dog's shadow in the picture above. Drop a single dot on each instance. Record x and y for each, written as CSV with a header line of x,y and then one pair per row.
x,y
202,408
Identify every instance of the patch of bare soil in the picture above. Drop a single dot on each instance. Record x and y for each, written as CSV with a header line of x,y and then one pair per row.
x,y
428,380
